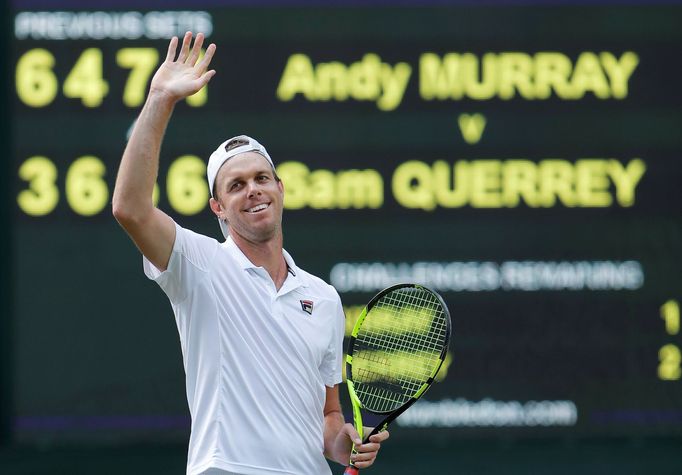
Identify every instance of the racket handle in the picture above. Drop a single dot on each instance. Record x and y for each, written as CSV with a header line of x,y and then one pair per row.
x,y
350,470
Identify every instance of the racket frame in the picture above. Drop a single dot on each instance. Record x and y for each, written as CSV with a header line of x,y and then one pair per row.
x,y
392,414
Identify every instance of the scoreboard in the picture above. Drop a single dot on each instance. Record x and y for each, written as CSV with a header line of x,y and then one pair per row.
x,y
523,161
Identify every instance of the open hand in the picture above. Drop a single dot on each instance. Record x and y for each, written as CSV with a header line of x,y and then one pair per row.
x,y
182,77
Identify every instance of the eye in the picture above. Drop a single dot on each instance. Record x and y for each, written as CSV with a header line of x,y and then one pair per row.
x,y
262,178
234,186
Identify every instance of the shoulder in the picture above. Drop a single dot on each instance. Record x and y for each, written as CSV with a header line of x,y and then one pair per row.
x,y
186,240
315,284
319,286
197,248
190,236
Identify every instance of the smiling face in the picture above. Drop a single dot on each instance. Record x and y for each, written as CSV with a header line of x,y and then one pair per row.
x,y
249,197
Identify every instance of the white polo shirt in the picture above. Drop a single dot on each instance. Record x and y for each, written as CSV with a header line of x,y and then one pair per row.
x,y
257,360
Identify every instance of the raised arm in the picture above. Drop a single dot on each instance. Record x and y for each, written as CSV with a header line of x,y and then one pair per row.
x,y
150,228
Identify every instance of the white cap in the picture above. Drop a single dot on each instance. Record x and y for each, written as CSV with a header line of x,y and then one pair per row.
x,y
225,151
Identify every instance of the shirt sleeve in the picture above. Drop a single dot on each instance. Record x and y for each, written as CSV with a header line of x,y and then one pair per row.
x,y
334,356
189,263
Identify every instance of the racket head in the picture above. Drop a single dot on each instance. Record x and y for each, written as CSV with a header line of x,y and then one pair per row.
x,y
397,346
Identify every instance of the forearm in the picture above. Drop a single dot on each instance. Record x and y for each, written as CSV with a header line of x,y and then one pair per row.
x,y
333,424
140,162
174,80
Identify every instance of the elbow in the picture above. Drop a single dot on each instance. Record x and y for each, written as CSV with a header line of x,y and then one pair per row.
x,y
122,214
127,214
119,212
119,208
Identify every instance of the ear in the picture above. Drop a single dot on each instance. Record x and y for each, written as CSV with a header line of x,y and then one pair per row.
x,y
216,208
280,184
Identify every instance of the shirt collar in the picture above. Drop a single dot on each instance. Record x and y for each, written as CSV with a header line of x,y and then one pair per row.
x,y
293,271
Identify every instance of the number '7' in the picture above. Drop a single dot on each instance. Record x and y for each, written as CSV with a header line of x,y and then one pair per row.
x,y
142,62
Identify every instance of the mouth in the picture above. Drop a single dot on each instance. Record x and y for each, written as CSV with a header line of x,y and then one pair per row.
x,y
258,208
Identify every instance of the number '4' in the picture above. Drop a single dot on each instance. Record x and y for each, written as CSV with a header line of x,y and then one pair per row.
x,y
85,80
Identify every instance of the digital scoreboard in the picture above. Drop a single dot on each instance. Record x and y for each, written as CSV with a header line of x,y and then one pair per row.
x,y
523,161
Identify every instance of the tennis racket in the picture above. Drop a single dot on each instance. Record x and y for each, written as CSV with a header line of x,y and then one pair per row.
x,y
397,346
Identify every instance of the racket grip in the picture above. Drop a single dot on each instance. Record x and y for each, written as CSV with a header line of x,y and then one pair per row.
x,y
350,470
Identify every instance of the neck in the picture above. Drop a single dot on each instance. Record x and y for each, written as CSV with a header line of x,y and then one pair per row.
x,y
267,254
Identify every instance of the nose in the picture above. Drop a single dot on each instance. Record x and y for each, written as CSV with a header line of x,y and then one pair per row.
x,y
253,189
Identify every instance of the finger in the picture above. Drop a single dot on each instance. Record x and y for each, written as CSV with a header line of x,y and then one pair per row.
x,y
363,463
184,51
360,457
172,47
380,437
202,65
196,49
367,448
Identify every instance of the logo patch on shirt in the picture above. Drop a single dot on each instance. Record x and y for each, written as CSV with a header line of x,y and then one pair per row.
x,y
307,306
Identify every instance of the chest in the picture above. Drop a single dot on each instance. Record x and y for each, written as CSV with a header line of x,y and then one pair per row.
x,y
293,320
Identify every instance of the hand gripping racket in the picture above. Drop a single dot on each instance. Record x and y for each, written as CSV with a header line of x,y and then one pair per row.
x,y
395,351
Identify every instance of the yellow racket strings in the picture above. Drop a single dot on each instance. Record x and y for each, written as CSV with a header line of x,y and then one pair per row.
x,y
398,347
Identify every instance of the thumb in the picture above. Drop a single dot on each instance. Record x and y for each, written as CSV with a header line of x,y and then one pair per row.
x,y
353,434
202,80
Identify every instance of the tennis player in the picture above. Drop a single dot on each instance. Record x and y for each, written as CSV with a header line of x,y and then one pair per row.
x,y
261,338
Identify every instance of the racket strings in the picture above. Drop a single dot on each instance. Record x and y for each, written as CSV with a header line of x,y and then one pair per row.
x,y
398,347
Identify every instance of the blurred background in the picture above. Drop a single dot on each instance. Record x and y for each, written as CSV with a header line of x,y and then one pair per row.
x,y
520,157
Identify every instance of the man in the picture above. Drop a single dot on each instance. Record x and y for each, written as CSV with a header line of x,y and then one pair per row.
x,y
261,338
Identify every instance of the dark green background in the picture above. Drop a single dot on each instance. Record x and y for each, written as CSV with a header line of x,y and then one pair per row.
x,y
90,336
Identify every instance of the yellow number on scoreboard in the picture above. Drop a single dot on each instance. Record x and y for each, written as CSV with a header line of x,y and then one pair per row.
x,y
42,194
670,363
86,191
36,84
670,313
186,185
141,62
85,81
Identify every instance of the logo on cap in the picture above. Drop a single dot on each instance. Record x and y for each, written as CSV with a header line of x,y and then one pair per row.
x,y
307,306
232,144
